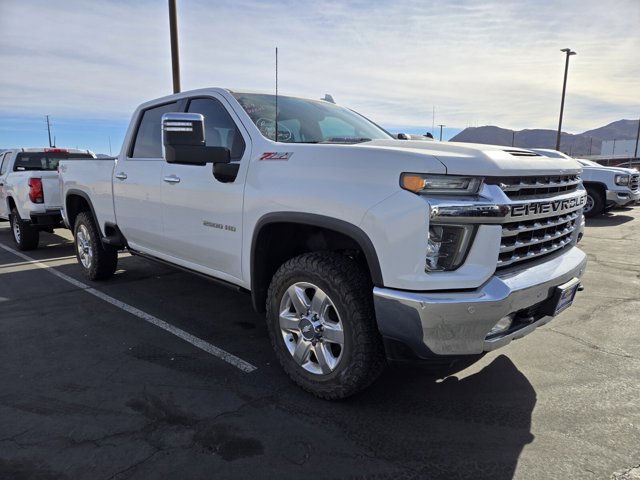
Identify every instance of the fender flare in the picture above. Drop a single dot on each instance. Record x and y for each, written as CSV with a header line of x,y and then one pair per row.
x,y
86,198
340,226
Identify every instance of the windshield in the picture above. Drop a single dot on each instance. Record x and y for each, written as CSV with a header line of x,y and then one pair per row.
x,y
307,121
43,160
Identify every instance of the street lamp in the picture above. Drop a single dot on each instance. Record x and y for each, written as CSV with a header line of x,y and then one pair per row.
x,y
564,88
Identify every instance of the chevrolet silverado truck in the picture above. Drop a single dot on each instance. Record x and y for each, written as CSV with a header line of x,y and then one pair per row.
x,y
607,187
30,191
359,247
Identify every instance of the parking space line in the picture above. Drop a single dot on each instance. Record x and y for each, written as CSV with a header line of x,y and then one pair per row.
x,y
187,337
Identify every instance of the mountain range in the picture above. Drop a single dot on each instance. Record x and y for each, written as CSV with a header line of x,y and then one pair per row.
x,y
586,143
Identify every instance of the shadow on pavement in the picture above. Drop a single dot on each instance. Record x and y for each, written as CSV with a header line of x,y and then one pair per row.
x,y
608,219
474,427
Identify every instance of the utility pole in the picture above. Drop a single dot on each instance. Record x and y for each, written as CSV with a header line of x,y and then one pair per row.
x,y
564,89
175,57
635,151
441,125
513,138
49,131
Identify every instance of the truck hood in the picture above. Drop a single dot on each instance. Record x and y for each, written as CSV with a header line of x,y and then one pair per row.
x,y
621,170
481,160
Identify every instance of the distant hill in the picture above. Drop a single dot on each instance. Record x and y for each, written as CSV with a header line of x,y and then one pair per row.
x,y
574,144
620,130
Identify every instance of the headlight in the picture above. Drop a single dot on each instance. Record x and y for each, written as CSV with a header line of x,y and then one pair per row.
x,y
622,179
447,247
440,184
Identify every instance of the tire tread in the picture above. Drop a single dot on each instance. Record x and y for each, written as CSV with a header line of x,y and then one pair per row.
x,y
350,283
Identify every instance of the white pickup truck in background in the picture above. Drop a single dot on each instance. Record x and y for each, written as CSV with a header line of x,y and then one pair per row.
x,y
357,246
607,187
30,191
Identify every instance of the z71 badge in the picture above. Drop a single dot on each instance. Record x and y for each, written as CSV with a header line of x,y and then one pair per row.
x,y
276,156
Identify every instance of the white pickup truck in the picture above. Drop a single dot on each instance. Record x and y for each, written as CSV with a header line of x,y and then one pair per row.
x,y
358,246
30,191
607,187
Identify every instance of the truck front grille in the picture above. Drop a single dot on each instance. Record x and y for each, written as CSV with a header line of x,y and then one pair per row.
x,y
527,239
531,239
635,182
536,187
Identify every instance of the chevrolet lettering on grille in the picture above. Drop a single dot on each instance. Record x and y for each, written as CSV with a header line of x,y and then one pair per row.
x,y
554,206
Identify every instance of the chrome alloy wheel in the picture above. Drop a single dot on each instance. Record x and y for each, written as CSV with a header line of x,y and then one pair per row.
x,y
589,205
17,234
311,328
83,244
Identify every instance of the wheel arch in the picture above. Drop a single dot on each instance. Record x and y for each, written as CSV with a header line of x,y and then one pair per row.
x,y
76,202
11,203
312,233
601,187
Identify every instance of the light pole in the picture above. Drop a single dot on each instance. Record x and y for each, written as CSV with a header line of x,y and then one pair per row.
x,y
564,89
175,57
441,130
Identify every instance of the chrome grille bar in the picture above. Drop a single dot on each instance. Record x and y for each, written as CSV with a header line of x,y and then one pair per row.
x,y
536,183
511,230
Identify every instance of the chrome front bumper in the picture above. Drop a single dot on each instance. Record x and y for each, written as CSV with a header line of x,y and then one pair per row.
x,y
622,197
458,323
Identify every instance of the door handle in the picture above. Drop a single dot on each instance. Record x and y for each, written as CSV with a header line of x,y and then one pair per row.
x,y
172,179
121,176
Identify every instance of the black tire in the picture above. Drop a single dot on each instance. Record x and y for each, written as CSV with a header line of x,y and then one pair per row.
x,y
595,203
97,260
25,236
359,360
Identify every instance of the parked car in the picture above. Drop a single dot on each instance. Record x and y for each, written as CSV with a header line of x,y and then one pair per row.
x,y
607,187
30,191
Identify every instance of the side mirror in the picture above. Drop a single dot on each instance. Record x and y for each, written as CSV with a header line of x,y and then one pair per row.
x,y
184,141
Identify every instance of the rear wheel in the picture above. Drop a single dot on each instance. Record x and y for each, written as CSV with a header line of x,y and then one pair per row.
x,y
322,325
98,261
25,236
595,203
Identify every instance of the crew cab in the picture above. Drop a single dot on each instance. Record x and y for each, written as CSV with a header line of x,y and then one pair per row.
x,y
30,191
607,187
358,247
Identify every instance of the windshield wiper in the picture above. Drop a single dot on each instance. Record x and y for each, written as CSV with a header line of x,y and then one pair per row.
x,y
346,140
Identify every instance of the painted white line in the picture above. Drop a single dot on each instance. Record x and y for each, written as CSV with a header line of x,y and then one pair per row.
x,y
187,337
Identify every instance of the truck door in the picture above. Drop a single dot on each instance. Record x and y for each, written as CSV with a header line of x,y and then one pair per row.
x,y
137,183
202,210
4,167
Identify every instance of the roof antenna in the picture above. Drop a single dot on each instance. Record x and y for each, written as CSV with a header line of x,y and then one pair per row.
x,y
276,138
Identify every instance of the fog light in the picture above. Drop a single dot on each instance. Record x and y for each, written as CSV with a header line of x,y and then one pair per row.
x,y
502,326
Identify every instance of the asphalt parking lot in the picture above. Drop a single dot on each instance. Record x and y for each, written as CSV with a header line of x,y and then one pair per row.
x,y
157,373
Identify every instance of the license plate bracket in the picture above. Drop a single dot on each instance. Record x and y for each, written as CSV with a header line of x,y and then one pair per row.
x,y
563,295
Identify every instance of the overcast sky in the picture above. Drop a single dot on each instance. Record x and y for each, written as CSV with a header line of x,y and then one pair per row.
x,y
88,64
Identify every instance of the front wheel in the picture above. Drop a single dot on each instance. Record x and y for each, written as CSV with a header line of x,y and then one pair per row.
x,y
24,235
595,203
322,325
98,261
